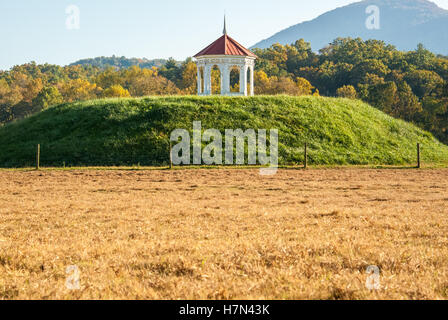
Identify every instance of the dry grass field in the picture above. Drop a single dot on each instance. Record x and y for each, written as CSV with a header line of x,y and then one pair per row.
x,y
224,234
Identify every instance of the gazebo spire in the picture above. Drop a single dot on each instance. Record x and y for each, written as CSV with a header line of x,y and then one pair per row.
x,y
224,31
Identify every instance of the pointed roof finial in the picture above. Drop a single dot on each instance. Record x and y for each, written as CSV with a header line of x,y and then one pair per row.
x,y
225,27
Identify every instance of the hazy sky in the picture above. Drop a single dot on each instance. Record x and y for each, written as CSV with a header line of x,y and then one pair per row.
x,y
35,30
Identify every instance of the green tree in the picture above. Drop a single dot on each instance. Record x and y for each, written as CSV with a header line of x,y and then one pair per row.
x,y
48,96
421,57
423,82
407,106
171,71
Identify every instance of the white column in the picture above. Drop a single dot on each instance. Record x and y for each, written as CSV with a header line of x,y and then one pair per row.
x,y
252,85
199,80
208,80
205,80
243,80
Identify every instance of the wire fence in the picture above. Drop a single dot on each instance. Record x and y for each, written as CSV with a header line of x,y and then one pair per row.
x,y
169,161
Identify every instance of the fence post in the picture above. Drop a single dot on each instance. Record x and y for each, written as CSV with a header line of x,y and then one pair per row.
x,y
419,162
171,156
38,157
306,156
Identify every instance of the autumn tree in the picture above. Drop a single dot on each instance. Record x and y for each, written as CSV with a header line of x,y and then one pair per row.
x,y
262,82
189,77
304,87
216,80
108,78
116,91
79,89
347,92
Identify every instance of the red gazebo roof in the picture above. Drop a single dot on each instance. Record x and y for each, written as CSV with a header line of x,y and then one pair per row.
x,y
225,46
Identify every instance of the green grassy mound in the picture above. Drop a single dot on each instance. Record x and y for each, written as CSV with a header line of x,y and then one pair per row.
x,y
136,131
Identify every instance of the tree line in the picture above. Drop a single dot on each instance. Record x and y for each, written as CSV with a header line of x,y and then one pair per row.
x,y
409,85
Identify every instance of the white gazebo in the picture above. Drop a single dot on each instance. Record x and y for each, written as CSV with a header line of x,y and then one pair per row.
x,y
226,54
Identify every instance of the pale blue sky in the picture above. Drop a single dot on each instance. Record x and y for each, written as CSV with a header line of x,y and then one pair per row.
x,y
35,30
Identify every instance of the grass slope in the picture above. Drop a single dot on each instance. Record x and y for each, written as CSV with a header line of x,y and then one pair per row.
x,y
132,131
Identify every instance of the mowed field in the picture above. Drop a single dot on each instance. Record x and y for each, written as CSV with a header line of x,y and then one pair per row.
x,y
224,234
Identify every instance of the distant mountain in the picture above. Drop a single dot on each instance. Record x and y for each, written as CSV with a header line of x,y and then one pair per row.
x,y
121,62
403,23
